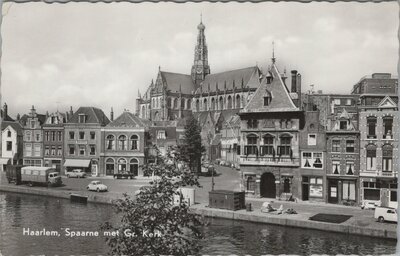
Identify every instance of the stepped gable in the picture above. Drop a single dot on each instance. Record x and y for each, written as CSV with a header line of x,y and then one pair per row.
x,y
94,116
277,90
249,77
176,82
127,119
24,118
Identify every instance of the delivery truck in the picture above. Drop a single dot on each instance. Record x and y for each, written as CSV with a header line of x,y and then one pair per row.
x,y
13,174
34,175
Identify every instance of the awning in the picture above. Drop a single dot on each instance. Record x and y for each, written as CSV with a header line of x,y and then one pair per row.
x,y
4,161
76,163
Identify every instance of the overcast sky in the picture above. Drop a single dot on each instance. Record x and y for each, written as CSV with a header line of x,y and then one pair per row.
x,y
82,54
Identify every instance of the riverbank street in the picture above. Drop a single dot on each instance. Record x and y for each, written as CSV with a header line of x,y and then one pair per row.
x,y
226,179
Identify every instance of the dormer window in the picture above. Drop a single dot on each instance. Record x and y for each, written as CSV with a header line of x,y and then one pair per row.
x,y
267,98
343,125
82,118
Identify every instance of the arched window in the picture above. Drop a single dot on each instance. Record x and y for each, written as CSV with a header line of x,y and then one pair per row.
x,y
221,103
197,105
110,167
229,102
134,166
268,147
371,124
121,165
134,142
175,103
169,102
189,104
156,116
251,147
122,142
212,104
110,142
8,133
237,101
387,158
371,157
205,106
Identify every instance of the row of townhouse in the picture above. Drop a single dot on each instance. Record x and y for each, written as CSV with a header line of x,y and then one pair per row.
x,y
334,148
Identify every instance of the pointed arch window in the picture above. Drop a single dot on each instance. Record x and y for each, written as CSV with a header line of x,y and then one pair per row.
x,y
212,104
221,103
134,142
237,102
197,105
182,106
122,142
229,102
110,142
169,102
205,106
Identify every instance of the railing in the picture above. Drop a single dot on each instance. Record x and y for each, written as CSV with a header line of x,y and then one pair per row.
x,y
269,160
378,173
387,174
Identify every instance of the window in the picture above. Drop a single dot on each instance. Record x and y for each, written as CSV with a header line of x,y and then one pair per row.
x,y
251,148
134,142
267,100
9,145
371,124
110,142
336,101
388,127
393,196
371,158
53,150
134,166
336,167
59,135
82,118
268,147
349,190
81,135
59,151
28,149
312,139
343,125
312,160
349,168
82,150
252,124
28,136
122,142
316,187
71,135
350,146
285,147
92,150
92,135
71,149
349,102
37,136
53,136
161,135
109,166
229,102
121,165
37,150
33,124
47,151
8,134
46,136
387,158
250,182
335,145
371,191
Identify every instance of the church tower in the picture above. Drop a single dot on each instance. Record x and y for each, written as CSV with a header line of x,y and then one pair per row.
x,y
200,66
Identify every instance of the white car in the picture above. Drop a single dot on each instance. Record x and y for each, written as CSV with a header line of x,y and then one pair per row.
x,y
383,214
76,173
96,186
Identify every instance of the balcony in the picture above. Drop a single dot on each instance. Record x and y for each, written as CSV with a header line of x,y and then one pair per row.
x,y
388,174
271,161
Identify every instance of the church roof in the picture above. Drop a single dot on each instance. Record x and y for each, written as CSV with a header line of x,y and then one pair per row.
x,y
176,82
127,119
94,116
281,101
249,77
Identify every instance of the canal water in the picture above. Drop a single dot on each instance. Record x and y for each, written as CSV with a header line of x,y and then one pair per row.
x,y
222,237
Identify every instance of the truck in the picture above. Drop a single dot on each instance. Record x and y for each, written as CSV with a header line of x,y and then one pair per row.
x,y
383,214
34,175
13,174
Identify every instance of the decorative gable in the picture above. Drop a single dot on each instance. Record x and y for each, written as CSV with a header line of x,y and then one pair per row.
x,y
387,103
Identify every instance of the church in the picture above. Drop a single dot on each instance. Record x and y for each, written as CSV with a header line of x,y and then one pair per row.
x,y
215,99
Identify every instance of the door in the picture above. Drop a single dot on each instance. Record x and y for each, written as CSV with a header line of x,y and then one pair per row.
x,y
333,191
267,185
306,191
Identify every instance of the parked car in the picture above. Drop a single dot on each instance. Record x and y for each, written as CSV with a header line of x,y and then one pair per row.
x,y
383,214
97,186
75,173
208,170
369,204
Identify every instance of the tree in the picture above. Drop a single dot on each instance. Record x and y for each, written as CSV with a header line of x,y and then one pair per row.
x,y
192,149
174,229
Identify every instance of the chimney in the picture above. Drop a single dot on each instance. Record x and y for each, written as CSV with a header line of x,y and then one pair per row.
x,y
294,81
33,111
18,117
71,112
298,89
112,115
5,111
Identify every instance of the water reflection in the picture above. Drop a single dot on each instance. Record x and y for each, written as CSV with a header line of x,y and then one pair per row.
x,y
221,236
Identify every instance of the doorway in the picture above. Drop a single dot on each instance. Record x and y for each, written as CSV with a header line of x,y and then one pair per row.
x,y
333,191
267,185
305,189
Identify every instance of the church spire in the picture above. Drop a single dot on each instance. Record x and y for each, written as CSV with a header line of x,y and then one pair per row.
x,y
200,66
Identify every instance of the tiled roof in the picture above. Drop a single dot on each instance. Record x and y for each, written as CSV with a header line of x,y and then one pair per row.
x,y
176,82
280,98
24,118
248,77
6,118
127,119
94,116
15,125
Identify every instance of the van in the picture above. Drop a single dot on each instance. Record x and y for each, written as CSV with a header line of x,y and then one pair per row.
x,y
383,214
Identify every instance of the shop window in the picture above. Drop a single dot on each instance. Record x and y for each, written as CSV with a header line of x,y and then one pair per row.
x,y
316,188
312,139
393,196
122,142
349,190
371,125
110,142
371,158
388,127
134,142
387,158
335,145
371,192
336,167
350,146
